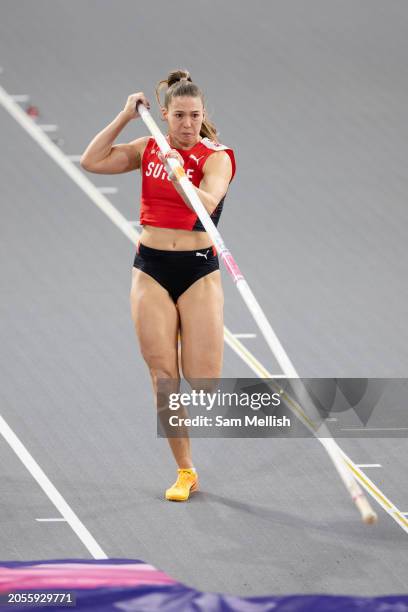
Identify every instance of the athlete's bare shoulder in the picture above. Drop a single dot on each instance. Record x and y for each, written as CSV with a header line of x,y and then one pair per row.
x,y
221,160
218,161
213,145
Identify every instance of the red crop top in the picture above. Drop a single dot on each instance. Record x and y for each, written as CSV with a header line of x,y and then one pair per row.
x,y
161,205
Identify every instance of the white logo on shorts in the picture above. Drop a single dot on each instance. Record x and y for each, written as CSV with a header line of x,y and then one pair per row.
x,y
204,254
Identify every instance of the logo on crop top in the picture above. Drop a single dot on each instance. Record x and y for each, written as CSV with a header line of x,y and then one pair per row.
x,y
196,159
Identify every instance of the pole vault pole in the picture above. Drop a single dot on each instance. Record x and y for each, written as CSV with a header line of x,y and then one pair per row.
x,y
367,513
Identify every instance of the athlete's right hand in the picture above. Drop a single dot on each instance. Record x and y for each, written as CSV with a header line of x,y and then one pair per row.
x,y
130,106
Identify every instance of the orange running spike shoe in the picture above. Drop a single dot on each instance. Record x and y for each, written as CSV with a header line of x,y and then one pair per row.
x,y
187,482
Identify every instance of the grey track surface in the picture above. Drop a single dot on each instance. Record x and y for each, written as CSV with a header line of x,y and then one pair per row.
x,y
313,98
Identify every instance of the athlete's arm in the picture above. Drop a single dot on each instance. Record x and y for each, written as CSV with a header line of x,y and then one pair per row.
x,y
214,184
103,157
120,159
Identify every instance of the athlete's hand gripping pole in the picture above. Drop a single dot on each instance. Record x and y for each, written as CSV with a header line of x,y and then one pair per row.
x,y
368,515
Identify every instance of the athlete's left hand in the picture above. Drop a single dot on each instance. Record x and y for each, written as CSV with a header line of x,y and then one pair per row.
x,y
175,155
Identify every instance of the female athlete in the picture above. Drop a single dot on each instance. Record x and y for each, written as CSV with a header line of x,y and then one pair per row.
x,y
176,282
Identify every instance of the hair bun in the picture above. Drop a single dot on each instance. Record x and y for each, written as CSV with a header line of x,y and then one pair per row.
x,y
178,75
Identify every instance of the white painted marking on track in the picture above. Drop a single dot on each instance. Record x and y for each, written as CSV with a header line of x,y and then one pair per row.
x,y
51,520
134,223
377,494
48,127
111,190
128,230
368,465
20,97
51,492
245,335
79,178
74,158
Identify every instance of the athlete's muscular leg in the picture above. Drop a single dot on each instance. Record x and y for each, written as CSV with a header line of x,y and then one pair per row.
x,y
202,328
156,321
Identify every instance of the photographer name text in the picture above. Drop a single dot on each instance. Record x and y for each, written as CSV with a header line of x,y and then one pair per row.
x,y
220,421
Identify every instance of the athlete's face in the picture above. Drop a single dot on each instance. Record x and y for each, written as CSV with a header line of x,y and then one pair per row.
x,y
184,117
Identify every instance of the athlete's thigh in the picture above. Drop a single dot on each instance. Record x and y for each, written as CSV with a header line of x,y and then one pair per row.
x,y
156,321
202,327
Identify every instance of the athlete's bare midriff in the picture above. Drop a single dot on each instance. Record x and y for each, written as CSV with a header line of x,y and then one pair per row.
x,y
166,239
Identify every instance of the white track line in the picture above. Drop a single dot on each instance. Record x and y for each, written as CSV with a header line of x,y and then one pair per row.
x,y
245,335
74,158
119,220
67,166
51,492
48,127
20,97
368,465
377,494
51,520
108,190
